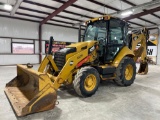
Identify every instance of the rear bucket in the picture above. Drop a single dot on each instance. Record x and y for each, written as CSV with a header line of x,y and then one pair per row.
x,y
30,91
143,69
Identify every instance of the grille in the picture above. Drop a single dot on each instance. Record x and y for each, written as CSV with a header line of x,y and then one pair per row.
x,y
60,59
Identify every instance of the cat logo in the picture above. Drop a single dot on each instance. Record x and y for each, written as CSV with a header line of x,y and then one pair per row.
x,y
79,56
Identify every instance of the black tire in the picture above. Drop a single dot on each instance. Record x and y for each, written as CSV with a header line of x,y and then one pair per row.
x,y
120,72
79,81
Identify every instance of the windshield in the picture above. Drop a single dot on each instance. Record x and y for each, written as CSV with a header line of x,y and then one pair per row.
x,y
116,31
96,31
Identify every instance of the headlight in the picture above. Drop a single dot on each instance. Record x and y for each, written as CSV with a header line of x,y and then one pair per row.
x,y
71,62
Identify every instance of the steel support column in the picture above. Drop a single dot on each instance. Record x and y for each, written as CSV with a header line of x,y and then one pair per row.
x,y
58,10
40,43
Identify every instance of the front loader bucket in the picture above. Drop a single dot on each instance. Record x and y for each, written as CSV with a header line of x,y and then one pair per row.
x,y
143,69
30,91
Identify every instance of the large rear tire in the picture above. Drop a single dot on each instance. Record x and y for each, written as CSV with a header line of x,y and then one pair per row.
x,y
126,72
86,81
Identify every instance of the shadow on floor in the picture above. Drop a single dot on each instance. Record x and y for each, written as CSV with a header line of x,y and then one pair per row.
x,y
66,92
69,92
46,115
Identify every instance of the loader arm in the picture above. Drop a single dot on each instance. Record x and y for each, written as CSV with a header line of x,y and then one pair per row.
x,y
71,65
46,63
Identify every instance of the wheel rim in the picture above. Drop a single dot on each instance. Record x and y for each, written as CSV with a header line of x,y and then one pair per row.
x,y
129,72
90,82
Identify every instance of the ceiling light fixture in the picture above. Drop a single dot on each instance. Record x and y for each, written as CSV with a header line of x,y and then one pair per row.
x,y
7,7
126,13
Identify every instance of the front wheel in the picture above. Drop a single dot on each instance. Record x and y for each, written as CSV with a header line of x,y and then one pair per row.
x,y
126,72
86,81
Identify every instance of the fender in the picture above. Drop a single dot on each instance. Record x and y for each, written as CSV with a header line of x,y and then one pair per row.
x,y
124,52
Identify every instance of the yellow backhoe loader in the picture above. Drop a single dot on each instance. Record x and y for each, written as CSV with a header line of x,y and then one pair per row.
x,y
106,53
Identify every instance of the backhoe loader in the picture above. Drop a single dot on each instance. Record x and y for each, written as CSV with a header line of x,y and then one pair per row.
x,y
107,52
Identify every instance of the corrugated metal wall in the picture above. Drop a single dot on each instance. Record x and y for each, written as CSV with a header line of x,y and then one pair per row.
x,y
28,31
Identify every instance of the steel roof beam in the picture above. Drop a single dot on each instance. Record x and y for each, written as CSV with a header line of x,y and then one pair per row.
x,y
46,6
42,5
153,28
42,12
96,2
132,4
37,21
135,23
28,9
142,13
147,21
128,2
80,7
16,6
28,15
101,4
57,11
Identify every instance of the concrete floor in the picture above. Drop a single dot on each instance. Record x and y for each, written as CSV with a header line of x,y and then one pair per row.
x,y
141,101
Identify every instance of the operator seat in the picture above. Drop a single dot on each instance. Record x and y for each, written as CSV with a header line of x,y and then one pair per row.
x,y
112,49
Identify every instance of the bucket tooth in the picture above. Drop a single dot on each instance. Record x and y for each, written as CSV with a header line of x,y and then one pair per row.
x,y
143,69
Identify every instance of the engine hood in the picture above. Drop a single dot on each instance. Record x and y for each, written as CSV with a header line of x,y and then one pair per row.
x,y
82,45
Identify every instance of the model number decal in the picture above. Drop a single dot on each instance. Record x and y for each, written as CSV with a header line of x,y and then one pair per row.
x,y
79,56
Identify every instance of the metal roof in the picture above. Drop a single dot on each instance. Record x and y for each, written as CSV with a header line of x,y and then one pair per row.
x,y
82,10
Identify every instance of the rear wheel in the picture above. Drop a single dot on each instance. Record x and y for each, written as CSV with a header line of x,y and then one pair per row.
x,y
126,72
86,81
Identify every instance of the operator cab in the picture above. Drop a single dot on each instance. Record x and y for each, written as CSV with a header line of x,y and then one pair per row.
x,y
111,35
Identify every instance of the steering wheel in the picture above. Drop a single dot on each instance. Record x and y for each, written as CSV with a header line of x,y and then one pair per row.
x,y
101,40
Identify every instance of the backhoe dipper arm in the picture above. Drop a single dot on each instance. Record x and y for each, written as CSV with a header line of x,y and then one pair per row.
x,y
141,38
